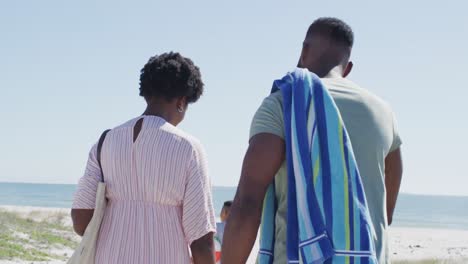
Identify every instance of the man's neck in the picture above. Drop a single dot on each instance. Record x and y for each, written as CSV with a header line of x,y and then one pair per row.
x,y
334,73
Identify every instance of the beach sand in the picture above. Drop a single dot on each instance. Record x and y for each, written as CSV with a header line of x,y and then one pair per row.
x,y
446,245
422,245
44,235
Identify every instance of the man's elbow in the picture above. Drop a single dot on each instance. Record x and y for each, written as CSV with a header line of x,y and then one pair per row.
x,y
249,206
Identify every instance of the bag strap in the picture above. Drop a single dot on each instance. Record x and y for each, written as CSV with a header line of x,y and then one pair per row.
x,y
99,148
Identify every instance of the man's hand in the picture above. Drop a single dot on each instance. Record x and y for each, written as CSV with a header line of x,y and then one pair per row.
x,y
262,161
393,175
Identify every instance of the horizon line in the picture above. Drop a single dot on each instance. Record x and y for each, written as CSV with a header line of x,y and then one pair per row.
x,y
234,186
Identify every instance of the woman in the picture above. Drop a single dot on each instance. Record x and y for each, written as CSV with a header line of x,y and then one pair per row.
x,y
158,190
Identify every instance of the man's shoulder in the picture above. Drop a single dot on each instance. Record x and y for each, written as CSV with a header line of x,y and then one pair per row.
x,y
272,104
269,116
275,98
341,89
345,90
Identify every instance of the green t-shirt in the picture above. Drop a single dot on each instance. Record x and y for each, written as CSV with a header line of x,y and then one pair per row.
x,y
372,129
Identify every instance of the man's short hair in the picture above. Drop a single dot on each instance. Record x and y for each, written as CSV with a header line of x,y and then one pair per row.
x,y
333,28
227,204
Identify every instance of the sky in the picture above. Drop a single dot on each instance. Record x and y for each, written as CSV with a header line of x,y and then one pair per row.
x,y
70,69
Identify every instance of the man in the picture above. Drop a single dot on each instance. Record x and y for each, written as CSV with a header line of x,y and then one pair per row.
x,y
372,129
225,211
223,216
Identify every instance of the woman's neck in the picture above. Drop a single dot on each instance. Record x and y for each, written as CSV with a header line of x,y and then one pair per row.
x,y
159,112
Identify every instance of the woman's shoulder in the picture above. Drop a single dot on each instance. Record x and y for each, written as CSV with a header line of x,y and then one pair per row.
x,y
126,124
184,138
172,135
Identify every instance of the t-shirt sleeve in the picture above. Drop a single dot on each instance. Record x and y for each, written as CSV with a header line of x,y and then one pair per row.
x,y
396,136
85,195
198,216
269,117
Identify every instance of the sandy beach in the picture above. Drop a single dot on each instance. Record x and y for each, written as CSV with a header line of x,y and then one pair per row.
x,y
44,235
448,245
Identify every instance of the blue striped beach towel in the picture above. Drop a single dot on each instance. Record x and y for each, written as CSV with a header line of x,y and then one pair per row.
x,y
328,219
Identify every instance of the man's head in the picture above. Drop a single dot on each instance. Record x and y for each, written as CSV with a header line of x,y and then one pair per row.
x,y
225,211
327,45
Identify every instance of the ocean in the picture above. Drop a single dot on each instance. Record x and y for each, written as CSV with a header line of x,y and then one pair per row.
x,y
412,210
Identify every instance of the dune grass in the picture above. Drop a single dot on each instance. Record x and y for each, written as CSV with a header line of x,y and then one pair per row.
x,y
22,238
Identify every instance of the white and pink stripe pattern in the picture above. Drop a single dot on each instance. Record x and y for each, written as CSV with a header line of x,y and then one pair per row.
x,y
159,194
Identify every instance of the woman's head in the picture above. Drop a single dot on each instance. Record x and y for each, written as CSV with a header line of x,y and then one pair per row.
x,y
171,81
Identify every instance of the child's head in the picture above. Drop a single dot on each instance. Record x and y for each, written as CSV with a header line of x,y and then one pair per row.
x,y
225,211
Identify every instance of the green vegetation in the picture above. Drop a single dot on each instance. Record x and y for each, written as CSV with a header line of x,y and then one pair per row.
x,y
22,238
11,249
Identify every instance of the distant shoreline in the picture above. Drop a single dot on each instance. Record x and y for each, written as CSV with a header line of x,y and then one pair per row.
x,y
38,183
412,210
27,208
234,186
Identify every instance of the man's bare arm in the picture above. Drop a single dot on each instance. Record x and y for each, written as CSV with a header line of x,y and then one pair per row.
x,y
262,161
393,175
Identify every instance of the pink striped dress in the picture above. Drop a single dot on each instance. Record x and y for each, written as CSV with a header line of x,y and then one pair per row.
x,y
159,194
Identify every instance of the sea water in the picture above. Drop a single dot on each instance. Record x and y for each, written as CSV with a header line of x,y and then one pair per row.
x,y
411,211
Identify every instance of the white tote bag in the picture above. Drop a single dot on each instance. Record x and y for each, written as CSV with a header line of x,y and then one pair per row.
x,y
86,251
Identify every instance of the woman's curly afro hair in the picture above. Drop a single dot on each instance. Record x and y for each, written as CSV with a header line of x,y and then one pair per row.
x,y
170,76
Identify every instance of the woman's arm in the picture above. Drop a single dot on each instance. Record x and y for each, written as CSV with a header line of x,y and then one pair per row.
x,y
85,196
198,217
203,251
81,219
